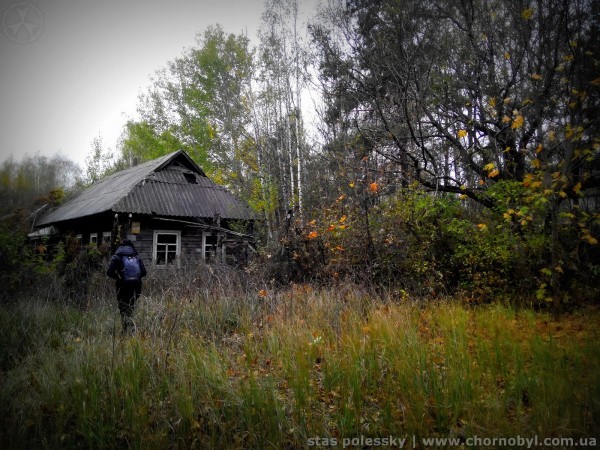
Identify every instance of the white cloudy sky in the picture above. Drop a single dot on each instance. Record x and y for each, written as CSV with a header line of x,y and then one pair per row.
x,y
79,75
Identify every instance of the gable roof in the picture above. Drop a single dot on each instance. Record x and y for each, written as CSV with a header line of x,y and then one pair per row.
x,y
172,185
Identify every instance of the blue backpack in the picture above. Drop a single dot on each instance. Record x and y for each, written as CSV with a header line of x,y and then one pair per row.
x,y
131,268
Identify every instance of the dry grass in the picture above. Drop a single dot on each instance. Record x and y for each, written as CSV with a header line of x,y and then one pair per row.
x,y
217,363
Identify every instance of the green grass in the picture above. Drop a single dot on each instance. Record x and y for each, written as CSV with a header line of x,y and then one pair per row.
x,y
274,371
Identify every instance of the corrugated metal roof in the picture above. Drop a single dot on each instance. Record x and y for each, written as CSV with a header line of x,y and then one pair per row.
x,y
158,187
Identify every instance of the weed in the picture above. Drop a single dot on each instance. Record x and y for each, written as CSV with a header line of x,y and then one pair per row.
x,y
242,370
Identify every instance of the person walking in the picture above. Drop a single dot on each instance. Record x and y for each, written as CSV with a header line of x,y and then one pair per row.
x,y
127,268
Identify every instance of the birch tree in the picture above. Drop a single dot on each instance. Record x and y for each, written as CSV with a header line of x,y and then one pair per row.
x,y
278,115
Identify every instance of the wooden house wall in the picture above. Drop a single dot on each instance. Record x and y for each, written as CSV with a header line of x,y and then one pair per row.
x,y
191,237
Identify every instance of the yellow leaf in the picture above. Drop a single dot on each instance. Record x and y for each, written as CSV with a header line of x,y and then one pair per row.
x,y
563,194
596,81
536,163
482,226
569,132
551,135
262,293
373,187
331,228
536,76
517,123
343,219
539,148
577,188
463,187
506,55
490,166
536,184
506,119
590,239
312,235
494,173
492,101
462,133
481,182
526,14
351,185
506,216
462,196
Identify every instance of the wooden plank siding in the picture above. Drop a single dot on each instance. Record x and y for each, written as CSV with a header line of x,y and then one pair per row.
x,y
191,236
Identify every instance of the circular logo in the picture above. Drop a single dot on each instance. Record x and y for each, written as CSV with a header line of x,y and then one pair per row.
x,y
22,22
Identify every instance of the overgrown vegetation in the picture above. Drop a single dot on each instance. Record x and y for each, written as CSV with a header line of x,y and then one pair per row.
x,y
436,245
407,260
225,365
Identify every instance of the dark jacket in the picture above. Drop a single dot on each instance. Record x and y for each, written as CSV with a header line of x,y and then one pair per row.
x,y
115,266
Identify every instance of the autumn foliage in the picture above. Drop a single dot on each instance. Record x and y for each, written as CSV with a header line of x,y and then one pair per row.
x,y
432,245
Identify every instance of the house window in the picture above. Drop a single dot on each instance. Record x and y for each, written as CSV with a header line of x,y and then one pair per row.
x,y
106,237
209,247
166,247
190,177
78,239
94,238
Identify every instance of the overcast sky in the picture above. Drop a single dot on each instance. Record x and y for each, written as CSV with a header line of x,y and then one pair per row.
x,y
73,69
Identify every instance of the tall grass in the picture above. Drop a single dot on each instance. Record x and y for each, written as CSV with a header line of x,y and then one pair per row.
x,y
216,365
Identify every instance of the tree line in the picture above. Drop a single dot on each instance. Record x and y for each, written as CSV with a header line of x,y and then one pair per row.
x,y
430,144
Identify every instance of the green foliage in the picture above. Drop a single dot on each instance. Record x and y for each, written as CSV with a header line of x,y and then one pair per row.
x,y
143,142
98,162
199,104
11,251
430,244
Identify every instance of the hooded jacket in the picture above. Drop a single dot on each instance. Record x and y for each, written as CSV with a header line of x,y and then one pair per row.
x,y
116,262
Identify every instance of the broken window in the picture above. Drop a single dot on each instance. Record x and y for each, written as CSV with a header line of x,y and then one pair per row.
x,y
190,177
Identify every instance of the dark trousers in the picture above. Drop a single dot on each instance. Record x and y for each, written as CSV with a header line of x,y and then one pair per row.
x,y
127,295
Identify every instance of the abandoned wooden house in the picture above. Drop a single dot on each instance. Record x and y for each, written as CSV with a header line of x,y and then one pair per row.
x,y
168,207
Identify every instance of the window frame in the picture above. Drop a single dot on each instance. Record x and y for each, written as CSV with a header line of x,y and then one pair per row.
x,y
219,252
93,238
155,235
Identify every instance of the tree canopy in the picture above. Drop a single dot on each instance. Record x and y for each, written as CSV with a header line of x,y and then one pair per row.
x,y
455,144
